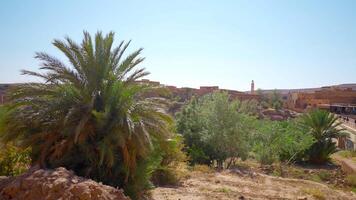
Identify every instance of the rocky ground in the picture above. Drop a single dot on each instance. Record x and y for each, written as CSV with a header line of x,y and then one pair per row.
x,y
230,185
58,184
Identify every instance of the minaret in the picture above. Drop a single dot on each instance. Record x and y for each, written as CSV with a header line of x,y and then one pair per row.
x,y
252,87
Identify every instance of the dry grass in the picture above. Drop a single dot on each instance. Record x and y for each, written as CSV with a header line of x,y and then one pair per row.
x,y
316,193
202,168
223,190
347,154
351,180
226,185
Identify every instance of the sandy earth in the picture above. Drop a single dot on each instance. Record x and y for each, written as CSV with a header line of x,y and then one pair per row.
x,y
229,185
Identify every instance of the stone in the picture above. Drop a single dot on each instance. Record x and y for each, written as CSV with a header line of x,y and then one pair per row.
x,y
40,184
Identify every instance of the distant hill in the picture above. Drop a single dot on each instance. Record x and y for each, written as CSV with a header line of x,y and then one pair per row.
x,y
310,90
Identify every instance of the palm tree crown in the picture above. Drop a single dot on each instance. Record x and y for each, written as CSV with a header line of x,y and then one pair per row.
x,y
324,127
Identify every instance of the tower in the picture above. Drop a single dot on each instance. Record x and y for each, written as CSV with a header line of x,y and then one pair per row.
x,y
252,87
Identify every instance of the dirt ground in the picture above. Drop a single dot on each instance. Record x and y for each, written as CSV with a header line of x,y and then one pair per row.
x,y
228,185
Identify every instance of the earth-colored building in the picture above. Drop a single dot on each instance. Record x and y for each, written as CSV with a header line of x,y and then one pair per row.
x,y
186,93
331,98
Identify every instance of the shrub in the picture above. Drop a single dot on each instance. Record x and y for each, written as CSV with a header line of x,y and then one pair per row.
x,y
172,168
279,141
214,129
14,160
265,142
325,175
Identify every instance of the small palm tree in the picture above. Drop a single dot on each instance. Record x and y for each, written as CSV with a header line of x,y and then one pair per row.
x,y
324,127
93,117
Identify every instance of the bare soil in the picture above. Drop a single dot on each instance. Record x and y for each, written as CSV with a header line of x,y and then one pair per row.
x,y
233,184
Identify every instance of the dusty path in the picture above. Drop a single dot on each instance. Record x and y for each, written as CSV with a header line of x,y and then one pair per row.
x,y
226,185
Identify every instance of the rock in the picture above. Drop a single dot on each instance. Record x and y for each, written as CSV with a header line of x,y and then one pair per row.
x,y
39,184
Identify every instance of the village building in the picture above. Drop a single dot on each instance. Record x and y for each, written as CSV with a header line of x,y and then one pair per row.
x,y
185,93
334,99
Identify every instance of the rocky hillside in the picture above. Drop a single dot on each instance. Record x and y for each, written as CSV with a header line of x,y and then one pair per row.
x,y
39,184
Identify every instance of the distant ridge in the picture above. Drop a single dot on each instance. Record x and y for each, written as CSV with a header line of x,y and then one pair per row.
x,y
311,90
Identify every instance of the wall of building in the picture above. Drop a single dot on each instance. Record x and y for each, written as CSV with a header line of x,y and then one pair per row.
x,y
185,93
326,96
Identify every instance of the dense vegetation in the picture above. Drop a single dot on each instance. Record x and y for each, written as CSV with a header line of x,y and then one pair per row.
x,y
217,129
280,141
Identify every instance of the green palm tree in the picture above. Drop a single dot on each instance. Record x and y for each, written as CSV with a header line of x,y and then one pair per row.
x,y
93,117
324,127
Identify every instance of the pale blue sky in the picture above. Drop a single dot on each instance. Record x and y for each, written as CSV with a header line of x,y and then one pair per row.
x,y
279,44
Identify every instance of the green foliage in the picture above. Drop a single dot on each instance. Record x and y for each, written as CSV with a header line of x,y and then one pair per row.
x,y
13,160
293,141
264,101
275,100
270,100
266,141
172,168
325,175
324,127
92,117
281,141
249,107
214,130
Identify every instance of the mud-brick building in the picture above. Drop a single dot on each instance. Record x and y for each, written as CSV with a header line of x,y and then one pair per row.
x,y
186,93
331,98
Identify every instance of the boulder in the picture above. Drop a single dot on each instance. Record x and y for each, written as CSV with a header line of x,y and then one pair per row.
x,y
59,183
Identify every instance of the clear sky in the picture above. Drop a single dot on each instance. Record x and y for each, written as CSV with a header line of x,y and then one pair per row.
x,y
279,44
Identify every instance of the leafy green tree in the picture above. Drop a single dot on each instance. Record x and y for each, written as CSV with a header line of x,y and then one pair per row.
x,y
214,130
92,117
324,127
